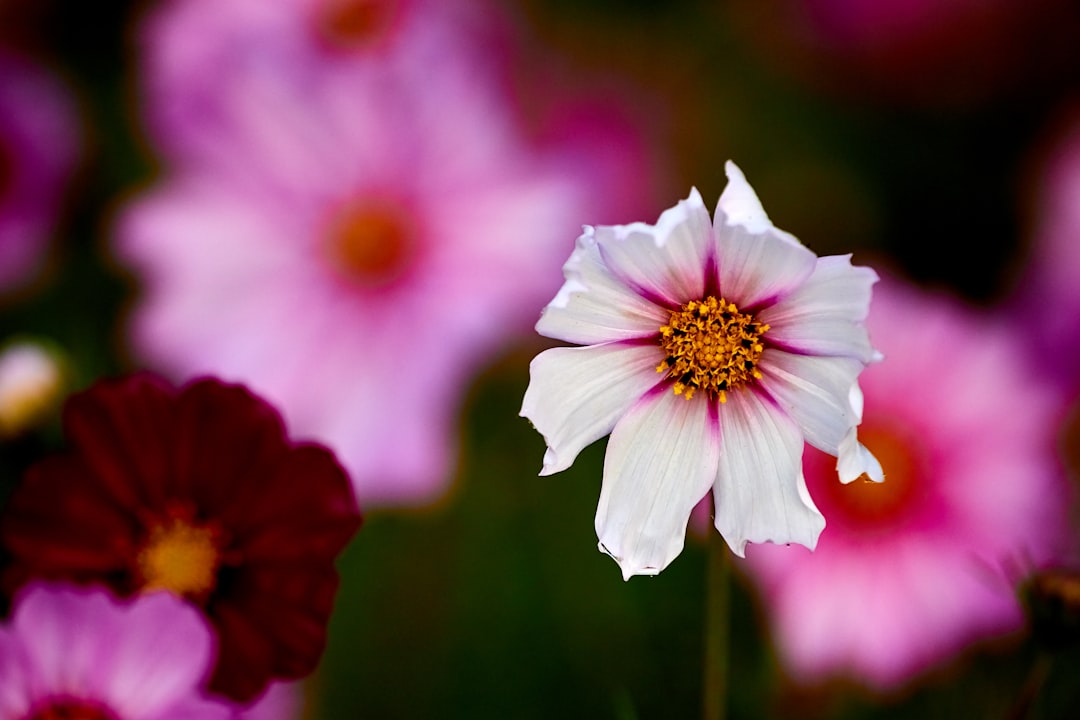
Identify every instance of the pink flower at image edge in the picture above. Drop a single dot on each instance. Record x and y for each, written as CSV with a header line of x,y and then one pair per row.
x,y
908,573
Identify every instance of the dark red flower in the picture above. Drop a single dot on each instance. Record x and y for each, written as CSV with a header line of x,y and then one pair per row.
x,y
200,492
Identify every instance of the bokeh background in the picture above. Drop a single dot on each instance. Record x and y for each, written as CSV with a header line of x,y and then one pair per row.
x,y
917,135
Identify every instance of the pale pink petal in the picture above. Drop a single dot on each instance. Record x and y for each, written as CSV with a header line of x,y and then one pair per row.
x,y
160,650
815,392
760,494
667,262
825,316
576,395
593,306
661,460
62,652
757,263
15,686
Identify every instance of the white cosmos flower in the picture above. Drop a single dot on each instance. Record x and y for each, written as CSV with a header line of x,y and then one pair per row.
x,y
713,348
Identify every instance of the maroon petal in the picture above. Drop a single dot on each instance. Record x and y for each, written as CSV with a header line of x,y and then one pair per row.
x,y
121,430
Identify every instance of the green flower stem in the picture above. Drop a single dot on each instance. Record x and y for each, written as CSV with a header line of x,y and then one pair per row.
x,y
717,591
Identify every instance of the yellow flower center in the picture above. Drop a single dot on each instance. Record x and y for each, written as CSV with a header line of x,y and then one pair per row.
x,y
180,557
372,242
711,346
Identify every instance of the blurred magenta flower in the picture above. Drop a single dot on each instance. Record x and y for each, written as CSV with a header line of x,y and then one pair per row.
x,y
39,144
1050,278
218,74
909,572
78,653
713,349
352,238
951,53
197,491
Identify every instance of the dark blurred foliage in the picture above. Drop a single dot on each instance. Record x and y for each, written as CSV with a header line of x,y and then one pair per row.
x,y
495,602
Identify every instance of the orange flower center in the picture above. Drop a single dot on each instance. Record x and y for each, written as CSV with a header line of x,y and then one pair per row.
x,y
864,503
709,345
71,709
372,242
351,24
181,557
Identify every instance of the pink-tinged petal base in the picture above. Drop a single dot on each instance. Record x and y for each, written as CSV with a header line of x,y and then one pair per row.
x,y
815,392
665,262
757,263
825,316
593,306
576,395
661,460
760,494
756,269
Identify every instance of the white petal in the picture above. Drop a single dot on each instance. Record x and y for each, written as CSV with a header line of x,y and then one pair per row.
x,y
825,316
740,203
576,395
758,269
855,460
815,392
593,306
661,460
760,494
855,396
666,262
756,262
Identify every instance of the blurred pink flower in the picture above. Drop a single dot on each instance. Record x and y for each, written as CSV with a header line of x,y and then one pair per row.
x,y
924,51
211,68
79,653
39,140
1050,278
353,238
909,572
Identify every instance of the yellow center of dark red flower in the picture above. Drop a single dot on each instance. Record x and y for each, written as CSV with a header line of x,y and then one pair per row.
x,y
71,709
372,242
181,557
351,24
710,346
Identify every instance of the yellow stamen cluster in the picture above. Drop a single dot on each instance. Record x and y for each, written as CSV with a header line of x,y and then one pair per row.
x,y
711,346
180,557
